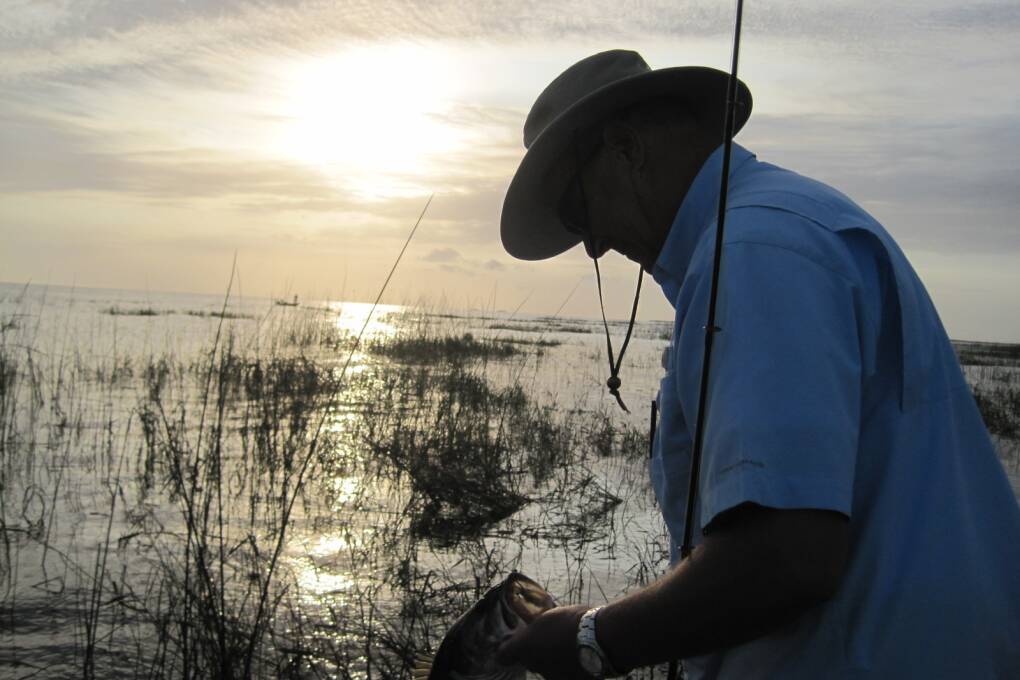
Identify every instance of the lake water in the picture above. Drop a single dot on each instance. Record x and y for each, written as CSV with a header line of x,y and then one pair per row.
x,y
184,487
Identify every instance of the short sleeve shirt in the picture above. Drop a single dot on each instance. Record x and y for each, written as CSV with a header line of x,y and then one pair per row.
x,y
834,387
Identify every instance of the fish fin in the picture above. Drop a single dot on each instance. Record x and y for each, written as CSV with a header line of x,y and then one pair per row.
x,y
422,666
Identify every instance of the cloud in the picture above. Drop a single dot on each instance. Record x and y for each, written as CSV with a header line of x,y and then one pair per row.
x,y
455,269
943,184
986,16
442,255
155,118
92,36
41,155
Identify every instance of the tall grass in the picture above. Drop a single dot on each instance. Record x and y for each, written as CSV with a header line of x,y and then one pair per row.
x,y
186,564
249,511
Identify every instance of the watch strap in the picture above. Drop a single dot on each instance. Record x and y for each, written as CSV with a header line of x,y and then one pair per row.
x,y
586,638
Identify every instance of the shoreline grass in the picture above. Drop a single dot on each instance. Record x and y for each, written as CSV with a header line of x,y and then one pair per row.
x,y
159,502
150,311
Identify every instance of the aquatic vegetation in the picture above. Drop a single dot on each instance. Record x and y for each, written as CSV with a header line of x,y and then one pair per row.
x,y
426,349
247,509
135,311
151,311
542,328
219,314
987,353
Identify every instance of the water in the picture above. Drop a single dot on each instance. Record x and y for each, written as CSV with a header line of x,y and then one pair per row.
x,y
86,494
98,574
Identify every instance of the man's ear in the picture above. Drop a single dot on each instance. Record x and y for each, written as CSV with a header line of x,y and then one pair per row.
x,y
624,144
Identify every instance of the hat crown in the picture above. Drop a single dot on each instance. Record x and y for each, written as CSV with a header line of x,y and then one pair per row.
x,y
577,82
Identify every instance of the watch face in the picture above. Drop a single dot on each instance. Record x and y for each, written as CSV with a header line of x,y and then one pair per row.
x,y
590,661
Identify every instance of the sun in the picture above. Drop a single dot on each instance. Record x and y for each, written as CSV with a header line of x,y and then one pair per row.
x,y
373,117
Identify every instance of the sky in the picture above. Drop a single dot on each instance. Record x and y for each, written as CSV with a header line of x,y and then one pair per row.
x,y
143,143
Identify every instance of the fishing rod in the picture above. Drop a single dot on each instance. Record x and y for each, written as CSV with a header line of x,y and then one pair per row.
x,y
710,328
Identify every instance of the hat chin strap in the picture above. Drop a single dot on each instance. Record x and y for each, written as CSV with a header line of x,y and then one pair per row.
x,y
614,381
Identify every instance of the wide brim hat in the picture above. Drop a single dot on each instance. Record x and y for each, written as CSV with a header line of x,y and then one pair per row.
x,y
587,93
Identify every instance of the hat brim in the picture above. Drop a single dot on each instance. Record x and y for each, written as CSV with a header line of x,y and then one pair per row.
x,y
530,226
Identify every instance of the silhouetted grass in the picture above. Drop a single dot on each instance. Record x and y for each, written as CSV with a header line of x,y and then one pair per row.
x,y
1000,410
219,314
135,311
199,546
541,342
987,353
551,327
427,349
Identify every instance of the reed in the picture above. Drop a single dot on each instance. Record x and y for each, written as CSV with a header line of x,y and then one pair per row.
x,y
250,510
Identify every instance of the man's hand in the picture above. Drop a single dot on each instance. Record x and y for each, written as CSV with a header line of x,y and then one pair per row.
x,y
548,645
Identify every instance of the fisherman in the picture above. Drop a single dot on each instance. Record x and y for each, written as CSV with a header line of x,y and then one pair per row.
x,y
853,519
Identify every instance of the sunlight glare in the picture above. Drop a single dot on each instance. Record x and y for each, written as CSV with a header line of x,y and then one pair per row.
x,y
372,117
316,581
351,318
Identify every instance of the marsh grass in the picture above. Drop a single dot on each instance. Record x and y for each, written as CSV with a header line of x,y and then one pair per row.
x,y
448,349
541,328
135,311
151,311
993,370
250,511
1000,409
205,469
987,353
222,314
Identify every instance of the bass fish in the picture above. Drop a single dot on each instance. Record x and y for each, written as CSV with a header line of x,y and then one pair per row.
x,y
468,651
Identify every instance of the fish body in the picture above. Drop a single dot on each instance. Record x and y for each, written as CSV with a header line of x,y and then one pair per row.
x,y
468,650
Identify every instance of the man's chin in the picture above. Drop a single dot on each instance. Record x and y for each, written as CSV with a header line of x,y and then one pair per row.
x,y
646,263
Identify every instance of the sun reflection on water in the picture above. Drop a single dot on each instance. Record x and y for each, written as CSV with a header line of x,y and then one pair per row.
x,y
320,565
344,491
351,318
315,581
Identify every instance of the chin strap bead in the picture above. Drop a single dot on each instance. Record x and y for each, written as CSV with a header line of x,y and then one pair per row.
x,y
614,383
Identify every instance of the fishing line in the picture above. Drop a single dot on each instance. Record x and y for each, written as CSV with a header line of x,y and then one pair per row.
x,y
312,448
518,307
524,362
382,290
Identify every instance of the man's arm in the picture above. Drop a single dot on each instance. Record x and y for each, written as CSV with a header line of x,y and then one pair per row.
x,y
757,569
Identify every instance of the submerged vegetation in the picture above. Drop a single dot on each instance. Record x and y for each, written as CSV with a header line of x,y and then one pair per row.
x,y
993,369
988,353
150,311
253,511
451,348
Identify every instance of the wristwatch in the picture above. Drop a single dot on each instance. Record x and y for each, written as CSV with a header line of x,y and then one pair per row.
x,y
590,655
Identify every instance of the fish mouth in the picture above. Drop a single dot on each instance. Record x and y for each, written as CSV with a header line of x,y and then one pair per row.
x,y
525,600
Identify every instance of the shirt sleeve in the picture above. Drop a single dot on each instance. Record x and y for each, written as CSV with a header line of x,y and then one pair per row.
x,y
785,388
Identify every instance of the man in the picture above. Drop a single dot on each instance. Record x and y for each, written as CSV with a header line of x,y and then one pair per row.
x,y
853,519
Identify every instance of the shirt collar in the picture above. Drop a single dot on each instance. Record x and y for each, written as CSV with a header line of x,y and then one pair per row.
x,y
698,211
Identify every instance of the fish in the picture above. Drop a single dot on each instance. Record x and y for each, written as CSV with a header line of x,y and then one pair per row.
x,y
468,650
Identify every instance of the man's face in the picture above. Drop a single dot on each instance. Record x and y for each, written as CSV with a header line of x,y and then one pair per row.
x,y
601,205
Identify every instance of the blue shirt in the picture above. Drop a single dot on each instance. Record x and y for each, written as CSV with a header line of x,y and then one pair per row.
x,y
835,387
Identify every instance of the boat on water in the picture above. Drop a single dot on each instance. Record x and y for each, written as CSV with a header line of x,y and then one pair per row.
x,y
285,303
